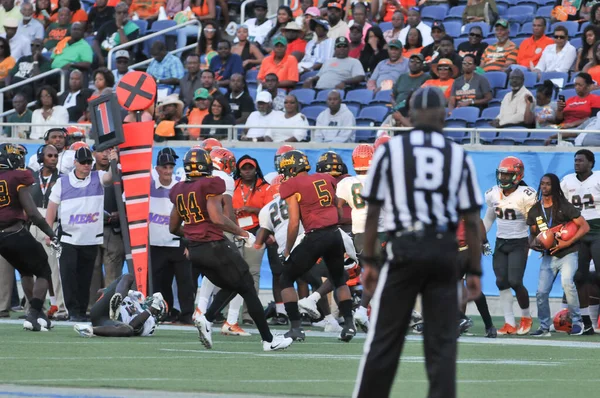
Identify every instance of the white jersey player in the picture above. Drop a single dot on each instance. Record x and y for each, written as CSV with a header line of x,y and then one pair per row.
x,y
508,203
272,175
582,189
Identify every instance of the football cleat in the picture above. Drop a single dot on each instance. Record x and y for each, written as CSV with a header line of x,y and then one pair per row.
x,y
464,325
44,321
576,330
491,333
362,320
308,306
332,325
540,333
588,331
347,333
296,334
31,321
84,330
115,303
507,329
525,326
415,319
233,330
204,331
279,342
271,310
279,320
197,314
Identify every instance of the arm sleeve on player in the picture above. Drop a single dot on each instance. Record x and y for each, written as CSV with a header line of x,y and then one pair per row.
x,y
490,217
264,220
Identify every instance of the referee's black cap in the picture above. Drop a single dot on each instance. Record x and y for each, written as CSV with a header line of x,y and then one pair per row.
x,y
427,98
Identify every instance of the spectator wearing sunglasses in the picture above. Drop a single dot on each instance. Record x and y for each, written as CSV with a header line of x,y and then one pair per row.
x,y
474,46
557,57
29,66
470,89
530,50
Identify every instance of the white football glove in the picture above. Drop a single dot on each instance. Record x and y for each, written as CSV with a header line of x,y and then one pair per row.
x,y
250,240
157,300
487,249
56,247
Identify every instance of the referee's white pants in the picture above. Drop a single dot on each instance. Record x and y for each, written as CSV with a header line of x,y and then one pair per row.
x,y
7,276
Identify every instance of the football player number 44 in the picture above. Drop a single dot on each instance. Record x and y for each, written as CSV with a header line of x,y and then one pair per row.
x,y
4,197
191,210
325,197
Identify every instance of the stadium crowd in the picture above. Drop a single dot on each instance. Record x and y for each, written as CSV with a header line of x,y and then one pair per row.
x,y
499,63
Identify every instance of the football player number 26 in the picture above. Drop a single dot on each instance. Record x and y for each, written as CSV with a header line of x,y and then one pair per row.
x,y
4,197
325,197
192,210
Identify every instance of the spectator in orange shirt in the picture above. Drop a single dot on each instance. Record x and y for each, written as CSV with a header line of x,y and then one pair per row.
x,y
445,69
531,48
296,44
147,9
284,66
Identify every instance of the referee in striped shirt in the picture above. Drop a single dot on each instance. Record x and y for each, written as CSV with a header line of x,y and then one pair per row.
x,y
424,183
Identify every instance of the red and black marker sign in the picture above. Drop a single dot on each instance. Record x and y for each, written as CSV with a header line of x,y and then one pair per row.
x,y
136,91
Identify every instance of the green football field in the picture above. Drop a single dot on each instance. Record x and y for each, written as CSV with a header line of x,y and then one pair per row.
x,y
173,360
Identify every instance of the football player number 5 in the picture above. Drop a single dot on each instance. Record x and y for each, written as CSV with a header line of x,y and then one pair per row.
x,y
192,210
4,197
325,197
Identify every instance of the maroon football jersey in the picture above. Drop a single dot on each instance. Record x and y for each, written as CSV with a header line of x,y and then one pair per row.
x,y
346,209
316,193
10,206
190,198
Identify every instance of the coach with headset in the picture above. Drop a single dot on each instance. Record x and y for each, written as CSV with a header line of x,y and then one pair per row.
x,y
56,136
424,183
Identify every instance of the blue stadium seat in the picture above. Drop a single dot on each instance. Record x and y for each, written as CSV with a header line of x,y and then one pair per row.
x,y
485,28
453,28
322,96
361,96
486,137
568,93
544,12
304,95
164,24
143,25
459,41
251,76
583,26
555,75
457,136
576,42
490,113
537,138
306,75
530,79
497,79
510,137
365,135
454,14
312,112
490,40
386,26
572,27
468,114
499,96
520,14
376,113
382,97
434,13
355,109
518,41
252,92
526,30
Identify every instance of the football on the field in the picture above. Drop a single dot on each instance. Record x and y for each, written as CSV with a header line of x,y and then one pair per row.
x,y
568,231
546,239
562,321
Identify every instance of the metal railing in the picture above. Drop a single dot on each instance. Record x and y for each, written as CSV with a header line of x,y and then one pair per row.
x,y
26,127
27,82
150,36
177,50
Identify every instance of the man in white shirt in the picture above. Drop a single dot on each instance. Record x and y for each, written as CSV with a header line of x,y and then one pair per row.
x,y
414,21
337,27
336,114
265,116
319,49
513,109
259,27
30,27
66,158
557,57
20,45
8,10
122,58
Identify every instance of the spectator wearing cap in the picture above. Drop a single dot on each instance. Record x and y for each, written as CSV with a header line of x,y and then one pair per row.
x,y
77,201
166,68
374,51
304,21
249,51
99,14
240,101
291,118
431,51
397,25
219,113
470,89
389,70
196,113
336,115
339,72
20,45
30,27
414,21
356,44
301,11
531,49
114,33
502,54
278,95
9,11
225,64
516,104
73,52
359,17
122,58
75,100
296,44
264,116
557,57
337,27
475,45
167,252
111,252
319,49
410,81
281,64
170,111
480,11
191,81
444,69
260,26
446,50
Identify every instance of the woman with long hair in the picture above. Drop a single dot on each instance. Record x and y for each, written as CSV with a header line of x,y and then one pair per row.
x,y
209,39
7,62
284,15
48,113
248,51
43,11
203,10
414,43
591,34
374,50
219,113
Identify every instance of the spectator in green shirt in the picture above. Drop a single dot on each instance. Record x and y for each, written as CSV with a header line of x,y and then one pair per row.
x,y
21,115
29,66
409,81
74,52
58,30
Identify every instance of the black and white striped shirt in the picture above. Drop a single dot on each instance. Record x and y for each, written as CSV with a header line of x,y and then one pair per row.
x,y
421,178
